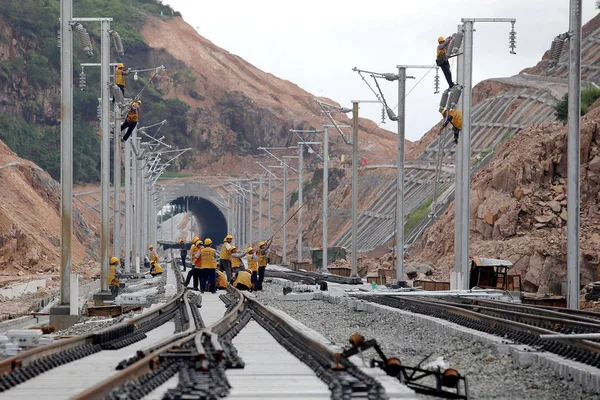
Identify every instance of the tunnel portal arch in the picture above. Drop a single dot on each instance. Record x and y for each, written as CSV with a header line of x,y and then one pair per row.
x,y
206,205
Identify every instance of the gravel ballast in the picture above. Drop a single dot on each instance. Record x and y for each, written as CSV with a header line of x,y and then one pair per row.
x,y
490,375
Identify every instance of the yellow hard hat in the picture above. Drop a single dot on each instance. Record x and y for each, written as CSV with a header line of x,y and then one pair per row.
x,y
441,39
180,241
150,247
139,102
444,113
207,241
249,250
228,237
195,239
261,244
233,247
114,260
120,65
198,242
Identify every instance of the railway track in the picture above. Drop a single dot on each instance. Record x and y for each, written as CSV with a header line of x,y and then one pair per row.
x,y
517,323
184,349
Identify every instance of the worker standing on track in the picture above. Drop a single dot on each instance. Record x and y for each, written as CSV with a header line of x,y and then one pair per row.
x,y
153,256
454,117
113,275
209,265
442,58
226,256
221,280
133,116
182,252
242,280
155,268
120,73
253,266
263,260
194,271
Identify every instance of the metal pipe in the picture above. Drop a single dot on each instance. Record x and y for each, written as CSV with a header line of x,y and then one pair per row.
x,y
456,280
300,197
135,224
284,220
139,208
66,149
573,160
354,188
260,208
466,150
105,154
325,193
251,200
128,216
400,175
573,336
117,185
269,207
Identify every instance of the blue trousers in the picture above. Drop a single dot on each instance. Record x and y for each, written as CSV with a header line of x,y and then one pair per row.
x,y
254,279
208,276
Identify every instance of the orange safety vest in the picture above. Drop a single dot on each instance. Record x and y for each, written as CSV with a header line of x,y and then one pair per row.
x,y
252,263
119,78
133,114
225,254
243,278
208,259
221,280
236,262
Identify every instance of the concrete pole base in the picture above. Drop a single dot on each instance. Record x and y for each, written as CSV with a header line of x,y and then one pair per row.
x,y
60,317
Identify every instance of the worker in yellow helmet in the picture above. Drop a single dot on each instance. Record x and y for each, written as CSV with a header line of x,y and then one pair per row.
x,y
131,121
221,280
242,280
252,260
226,255
208,267
120,73
236,260
113,275
442,58
182,252
155,268
153,255
194,271
454,117
263,260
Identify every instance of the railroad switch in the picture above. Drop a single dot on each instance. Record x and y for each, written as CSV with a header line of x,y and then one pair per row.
x,y
415,378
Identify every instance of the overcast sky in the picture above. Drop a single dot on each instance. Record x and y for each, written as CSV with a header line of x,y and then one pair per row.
x,y
316,43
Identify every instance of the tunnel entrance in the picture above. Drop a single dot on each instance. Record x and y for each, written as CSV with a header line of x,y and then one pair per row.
x,y
210,221
206,205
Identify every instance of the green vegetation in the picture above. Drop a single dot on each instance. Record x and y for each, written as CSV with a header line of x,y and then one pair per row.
x,y
35,135
316,180
167,175
508,135
417,215
588,96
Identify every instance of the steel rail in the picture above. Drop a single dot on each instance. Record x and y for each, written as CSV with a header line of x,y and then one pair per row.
x,y
497,321
24,358
152,360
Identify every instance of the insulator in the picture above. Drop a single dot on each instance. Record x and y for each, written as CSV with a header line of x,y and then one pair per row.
x,y
82,80
436,81
382,115
99,112
512,40
84,39
455,43
444,100
118,43
135,76
391,115
555,51
454,96
117,94
390,77
59,38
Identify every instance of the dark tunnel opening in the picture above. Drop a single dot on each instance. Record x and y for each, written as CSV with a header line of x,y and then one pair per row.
x,y
210,221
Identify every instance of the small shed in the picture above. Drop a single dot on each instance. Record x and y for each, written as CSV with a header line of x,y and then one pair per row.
x,y
489,273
